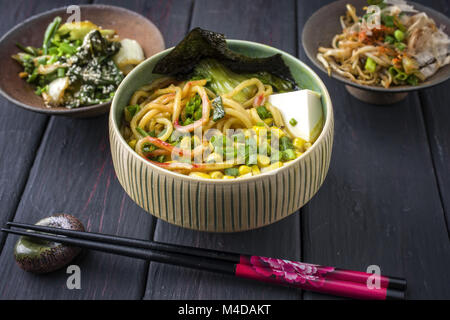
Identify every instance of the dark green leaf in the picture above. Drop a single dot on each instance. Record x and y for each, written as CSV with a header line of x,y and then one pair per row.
x,y
200,44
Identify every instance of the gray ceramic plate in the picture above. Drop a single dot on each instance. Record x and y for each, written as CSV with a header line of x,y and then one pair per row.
x,y
324,24
128,24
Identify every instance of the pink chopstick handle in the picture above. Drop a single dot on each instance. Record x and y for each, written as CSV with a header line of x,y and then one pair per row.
x,y
313,277
313,270
335,287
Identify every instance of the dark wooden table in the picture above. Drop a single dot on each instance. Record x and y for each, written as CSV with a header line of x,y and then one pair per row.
x,y
386,199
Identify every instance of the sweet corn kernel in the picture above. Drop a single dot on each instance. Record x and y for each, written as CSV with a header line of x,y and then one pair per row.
x,y
268,121
255,170
263,161
308,145
244,170
246,175
196,141
132,143
216,175
185,143
228,177
298,153
200,175
299,143
260,131
273,166
214,158
277,131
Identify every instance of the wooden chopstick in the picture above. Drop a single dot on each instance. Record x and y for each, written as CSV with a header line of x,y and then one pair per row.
x,y
338,274
329,284
154,255
131,242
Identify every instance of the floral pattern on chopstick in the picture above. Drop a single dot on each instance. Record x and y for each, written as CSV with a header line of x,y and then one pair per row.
x,y
288,271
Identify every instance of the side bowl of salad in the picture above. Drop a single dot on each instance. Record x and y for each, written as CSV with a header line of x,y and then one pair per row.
x,y
54,66
380,49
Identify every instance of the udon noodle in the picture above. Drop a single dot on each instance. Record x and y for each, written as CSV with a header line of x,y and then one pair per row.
x,y
387,46
160,127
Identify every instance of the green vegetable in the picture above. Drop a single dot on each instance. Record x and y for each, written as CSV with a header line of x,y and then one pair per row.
x,y
278,84
398,74
232,172
142,132
49,33
285,143
263,113
401,76
399,35
30,50
64,48
94,71
201,44
219,111
130,111
77,31
388,21
370,65
148,147
160,158
61,72
389,39
193,110
400,46
293,122
287,155
412,80
221,80
193,104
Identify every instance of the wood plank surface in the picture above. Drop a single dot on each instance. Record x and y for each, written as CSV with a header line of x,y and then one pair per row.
x,y
20,131
73,173
384,202
270,22
380,203
436,111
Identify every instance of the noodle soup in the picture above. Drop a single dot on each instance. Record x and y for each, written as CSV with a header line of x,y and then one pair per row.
x,y
186,127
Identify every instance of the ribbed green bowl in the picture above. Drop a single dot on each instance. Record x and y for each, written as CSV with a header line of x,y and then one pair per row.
x,y
221,205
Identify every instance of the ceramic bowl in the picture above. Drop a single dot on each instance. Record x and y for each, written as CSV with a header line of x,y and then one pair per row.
x,y
221,205
324,24
128,24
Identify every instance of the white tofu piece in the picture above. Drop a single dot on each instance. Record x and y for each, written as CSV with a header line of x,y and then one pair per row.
x,y
305,106
129,55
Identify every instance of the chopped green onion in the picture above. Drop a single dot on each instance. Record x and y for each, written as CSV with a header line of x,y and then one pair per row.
x,y
401,76
234,172
413,80
288,154
389,39
61,72
371,65
286,143
400,46
142,132
399,35
388,21
263,113
293,122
